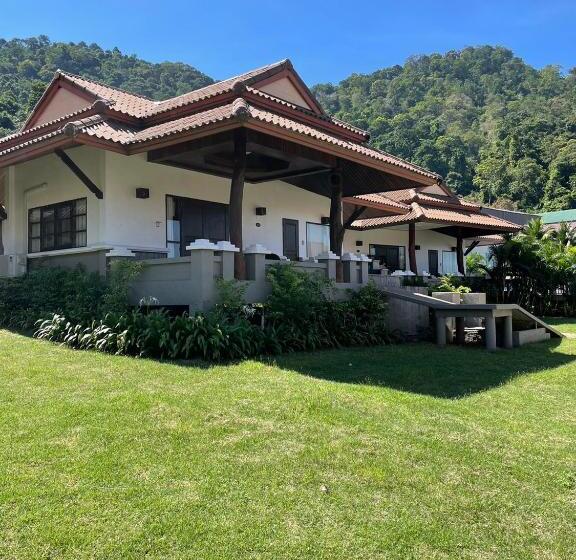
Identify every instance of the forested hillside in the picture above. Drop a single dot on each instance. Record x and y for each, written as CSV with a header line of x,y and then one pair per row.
x,y
498,129
495,127
27,65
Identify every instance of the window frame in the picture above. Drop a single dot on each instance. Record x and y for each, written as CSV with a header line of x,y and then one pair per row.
x,y
308,255
54,226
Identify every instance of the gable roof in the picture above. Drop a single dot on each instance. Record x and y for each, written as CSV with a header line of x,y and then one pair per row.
x,y
419,206
129,123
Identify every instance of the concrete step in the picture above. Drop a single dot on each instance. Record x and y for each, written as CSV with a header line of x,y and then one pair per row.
x,y
529,336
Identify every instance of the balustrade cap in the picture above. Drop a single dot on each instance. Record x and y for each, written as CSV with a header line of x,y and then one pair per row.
x,y
202,245
364,258
120,252
350,257
328,256
256,249
227,246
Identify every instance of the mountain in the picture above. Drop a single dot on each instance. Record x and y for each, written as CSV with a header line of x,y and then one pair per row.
x,y
499,130
28,65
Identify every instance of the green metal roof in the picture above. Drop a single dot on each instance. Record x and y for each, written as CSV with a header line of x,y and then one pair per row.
x,y
559,216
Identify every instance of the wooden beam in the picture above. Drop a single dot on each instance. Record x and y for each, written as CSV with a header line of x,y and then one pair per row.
x,y
412,248
79,173
236,197
472,246
356,213
460,253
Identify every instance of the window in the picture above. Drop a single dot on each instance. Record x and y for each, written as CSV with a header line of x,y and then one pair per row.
x,y
449,264
392,257
317,239
57,226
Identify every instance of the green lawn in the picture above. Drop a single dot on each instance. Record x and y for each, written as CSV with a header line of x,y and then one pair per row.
x,y
565,324
396,452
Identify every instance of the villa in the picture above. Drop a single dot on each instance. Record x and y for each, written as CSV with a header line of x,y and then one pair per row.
x,y
244,171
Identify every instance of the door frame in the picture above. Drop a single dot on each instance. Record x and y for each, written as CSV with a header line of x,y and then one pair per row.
x,y
430,251
297,224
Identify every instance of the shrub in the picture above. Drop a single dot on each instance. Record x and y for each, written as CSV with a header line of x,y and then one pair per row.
x,y
448,284
78,295
299,316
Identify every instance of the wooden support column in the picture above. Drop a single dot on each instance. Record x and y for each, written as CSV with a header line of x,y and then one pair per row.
x,y
336,226
236,197
460,253
412,248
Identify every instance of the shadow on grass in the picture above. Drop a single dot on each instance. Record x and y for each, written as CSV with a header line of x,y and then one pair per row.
x,y
452,372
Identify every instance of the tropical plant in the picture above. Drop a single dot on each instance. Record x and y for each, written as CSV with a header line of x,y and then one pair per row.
x,y
475,263
448,283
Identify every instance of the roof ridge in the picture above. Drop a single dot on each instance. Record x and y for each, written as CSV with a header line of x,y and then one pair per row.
x,y
231,79
65,74
309,112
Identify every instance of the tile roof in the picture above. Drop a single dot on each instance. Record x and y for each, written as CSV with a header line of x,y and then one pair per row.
x,y
377,200
215,89
123,102
422,213
234,109
272,111
416,194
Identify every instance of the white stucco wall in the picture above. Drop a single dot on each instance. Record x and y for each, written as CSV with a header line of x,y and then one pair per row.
x,y
45,181
425,238
122,220
142,223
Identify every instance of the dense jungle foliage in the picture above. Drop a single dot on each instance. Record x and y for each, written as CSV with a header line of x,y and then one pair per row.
x,y
28,65
499,130
496,128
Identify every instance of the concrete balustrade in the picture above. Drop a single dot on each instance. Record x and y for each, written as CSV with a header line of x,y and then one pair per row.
x,y
191,281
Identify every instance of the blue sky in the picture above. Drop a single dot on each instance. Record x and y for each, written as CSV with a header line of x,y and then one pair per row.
x,y
327,41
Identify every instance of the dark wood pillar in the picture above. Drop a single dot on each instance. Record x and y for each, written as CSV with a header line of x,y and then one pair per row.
x,y
336,227
236,197
412,247
460,252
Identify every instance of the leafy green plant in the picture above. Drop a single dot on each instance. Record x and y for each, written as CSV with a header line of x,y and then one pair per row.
x,y
121,274
448,284
78,295
475,263
320,323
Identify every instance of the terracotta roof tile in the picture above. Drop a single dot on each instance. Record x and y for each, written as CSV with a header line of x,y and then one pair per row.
x,y
213,89
124,102
378,199
422,213
227,111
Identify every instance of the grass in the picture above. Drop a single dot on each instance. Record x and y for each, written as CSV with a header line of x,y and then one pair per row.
x,y
395,452
566,325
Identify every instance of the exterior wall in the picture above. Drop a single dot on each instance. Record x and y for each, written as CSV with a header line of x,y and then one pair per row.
x,y
136,223
45,181
426,238
123,221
